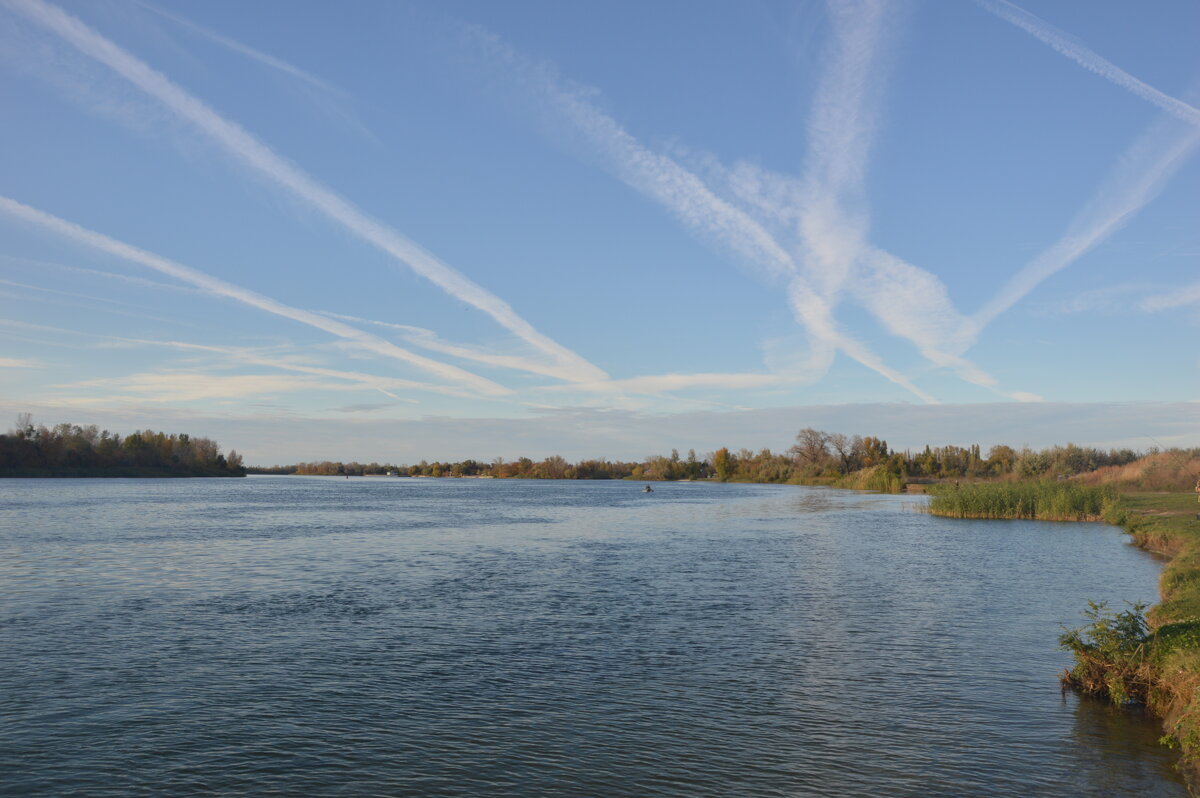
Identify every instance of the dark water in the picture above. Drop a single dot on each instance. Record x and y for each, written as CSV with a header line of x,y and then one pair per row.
x,y
309,636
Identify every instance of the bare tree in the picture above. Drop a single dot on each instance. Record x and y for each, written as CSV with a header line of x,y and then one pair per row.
x,y
811,449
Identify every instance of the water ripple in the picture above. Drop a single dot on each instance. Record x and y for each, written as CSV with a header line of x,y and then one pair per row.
x,y
293,636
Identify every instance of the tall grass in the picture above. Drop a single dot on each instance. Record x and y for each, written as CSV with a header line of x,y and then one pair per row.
x,y
1172,470
875,478
1047,500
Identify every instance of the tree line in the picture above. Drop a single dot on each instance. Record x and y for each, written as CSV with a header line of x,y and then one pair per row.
x,y
85,451
816,457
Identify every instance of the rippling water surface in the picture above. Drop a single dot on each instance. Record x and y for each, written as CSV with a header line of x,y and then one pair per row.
x,y
316,636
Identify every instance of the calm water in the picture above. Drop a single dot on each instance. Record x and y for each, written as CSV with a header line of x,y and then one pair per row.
x,y
315,636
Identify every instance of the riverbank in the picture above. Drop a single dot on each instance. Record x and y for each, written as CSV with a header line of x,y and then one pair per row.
x,y
1121,655
1167,524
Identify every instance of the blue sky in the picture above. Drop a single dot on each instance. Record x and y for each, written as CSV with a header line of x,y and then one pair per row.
x,y
470,229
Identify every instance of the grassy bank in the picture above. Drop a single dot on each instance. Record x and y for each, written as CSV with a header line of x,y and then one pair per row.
x,y
1167,523
1057,500
1124,655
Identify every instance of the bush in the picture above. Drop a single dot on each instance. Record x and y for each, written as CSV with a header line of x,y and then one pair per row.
x,y
1112,654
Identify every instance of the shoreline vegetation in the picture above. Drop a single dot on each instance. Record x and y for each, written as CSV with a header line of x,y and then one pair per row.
x,y
1128,656
67,450
816,458
1151,658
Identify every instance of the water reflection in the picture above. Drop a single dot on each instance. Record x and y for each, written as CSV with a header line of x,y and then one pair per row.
x,y
1119,745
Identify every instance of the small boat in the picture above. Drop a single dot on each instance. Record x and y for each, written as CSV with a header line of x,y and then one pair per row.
x,y
647,489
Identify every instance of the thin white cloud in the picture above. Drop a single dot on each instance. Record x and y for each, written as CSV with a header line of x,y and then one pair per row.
x,y
1136,179
689,199
88,301
80,235
656,384
826,207
96,273
1188,295
832,220
125,278
251,152
1085,57
244,49
428,339
820,316
832,225
1023,396
386,385
1109,298
18,363
178,386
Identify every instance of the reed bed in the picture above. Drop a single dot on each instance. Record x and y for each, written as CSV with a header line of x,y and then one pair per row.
x,y
1046,500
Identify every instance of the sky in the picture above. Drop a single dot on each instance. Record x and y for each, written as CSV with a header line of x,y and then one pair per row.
x,y
397,231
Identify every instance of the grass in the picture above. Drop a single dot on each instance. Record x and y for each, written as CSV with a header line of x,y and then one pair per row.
x,y
1049,500
875,478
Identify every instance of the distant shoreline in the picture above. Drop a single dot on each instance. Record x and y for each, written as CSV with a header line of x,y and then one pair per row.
x,y
134,474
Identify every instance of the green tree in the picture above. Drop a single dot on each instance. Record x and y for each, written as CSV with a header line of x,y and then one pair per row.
x,y
724,463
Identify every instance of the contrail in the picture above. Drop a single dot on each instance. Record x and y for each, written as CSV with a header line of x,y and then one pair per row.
x,y
1188,295
683,194
805,301
831,223
246,50
249,356
247,297
253,153
1088,59
428,339
1136,179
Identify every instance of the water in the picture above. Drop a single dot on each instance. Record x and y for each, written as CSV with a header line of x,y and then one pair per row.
x,y
317,636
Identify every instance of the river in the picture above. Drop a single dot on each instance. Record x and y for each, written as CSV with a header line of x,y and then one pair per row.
x,y
436,637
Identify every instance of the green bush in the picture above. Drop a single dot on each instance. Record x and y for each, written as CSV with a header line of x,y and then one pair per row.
x,y
1112,654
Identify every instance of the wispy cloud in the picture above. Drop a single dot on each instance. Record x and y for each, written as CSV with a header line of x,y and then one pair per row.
x,y
1109,298
254,154
88,301
832,218
142,282
18,363
1188,295
244,49
178,386
1136,179
694,203
826,207
80,235
428,339
832,224
385,385
1079,53
657,384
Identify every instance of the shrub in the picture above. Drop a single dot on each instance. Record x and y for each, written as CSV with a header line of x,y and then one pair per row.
x,y
1112,654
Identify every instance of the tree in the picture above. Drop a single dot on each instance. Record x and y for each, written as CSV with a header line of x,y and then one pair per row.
x,y
724,463
812,449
